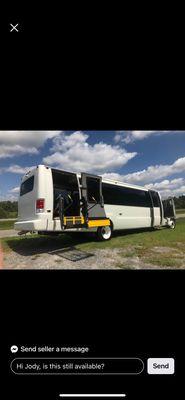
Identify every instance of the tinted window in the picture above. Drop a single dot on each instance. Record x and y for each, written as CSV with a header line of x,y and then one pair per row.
x,y
126,196
27,186
155,198
64,180
93,190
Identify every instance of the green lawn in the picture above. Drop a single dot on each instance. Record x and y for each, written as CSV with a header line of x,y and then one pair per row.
x,y
6,225
147,245
147,239
12,214
180,211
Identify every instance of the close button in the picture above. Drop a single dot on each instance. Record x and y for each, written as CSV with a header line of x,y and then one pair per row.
x,y
14,27
160,366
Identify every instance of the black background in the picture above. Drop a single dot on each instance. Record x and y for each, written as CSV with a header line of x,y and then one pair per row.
x,y
84,81
115,313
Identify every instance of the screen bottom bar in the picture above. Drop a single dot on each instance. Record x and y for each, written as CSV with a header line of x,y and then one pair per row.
x,y
93,395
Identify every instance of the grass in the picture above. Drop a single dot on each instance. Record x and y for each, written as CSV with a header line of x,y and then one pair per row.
x,y
6,225
165,261
180,211
141,244
129,254
146,239
12,214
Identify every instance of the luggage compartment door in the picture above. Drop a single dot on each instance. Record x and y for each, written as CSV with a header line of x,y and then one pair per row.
x,y
92,193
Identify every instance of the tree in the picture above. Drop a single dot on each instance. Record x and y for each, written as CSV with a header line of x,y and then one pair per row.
x,y
9,205
2,213
179,201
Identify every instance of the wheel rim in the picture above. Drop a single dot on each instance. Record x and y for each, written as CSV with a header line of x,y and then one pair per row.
x,y
172,225
106,232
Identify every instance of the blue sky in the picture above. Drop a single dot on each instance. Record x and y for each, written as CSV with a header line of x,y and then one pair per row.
x,y
155,159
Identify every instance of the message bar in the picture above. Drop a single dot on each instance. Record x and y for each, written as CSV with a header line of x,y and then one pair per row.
x,y
76,366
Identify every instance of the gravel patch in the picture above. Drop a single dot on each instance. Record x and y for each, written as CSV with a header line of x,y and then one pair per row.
x,y
102,259
163,250
41,256
7,233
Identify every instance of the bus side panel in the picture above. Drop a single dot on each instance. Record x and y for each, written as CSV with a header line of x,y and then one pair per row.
x,y
157,216
125,217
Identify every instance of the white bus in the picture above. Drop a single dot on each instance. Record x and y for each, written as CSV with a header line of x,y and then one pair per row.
x,y
52,200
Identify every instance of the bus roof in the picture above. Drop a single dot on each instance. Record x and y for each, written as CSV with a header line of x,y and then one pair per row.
x,y
105,180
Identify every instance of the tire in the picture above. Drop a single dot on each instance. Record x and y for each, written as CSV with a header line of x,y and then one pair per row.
x,y
104,233
173,225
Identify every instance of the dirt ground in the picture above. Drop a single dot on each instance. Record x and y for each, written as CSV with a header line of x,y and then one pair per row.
x,y
7,233
101,259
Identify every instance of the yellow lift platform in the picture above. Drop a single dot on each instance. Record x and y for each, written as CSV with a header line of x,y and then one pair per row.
x,y
79,222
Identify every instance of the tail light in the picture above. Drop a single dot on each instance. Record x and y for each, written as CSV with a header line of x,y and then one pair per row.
x,y
40,205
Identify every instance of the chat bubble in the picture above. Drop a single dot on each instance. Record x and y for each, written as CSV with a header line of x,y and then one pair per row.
x,y
71,366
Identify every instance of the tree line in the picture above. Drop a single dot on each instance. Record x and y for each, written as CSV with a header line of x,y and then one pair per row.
x,y
8,209
179,202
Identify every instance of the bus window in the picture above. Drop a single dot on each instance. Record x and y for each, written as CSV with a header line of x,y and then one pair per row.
x,y
93,190
27,186
155,198
125,196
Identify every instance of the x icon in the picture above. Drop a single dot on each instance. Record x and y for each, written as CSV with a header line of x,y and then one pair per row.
x,y
14,28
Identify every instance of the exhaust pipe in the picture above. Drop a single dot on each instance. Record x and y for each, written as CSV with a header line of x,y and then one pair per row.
x,y
22,233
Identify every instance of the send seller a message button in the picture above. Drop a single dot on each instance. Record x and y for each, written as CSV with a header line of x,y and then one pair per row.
x,y
160,366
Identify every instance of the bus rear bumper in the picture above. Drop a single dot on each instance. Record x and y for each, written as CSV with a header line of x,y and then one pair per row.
x,y
39,225
33,225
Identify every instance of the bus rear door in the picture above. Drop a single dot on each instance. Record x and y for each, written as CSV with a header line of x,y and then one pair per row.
x,y
92,192
156,208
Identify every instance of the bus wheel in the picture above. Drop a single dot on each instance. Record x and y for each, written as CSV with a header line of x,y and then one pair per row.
x,y
104,232
172,224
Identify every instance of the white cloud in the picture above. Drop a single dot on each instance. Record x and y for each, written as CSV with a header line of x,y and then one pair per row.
x,y
15,190
171,193
73,152
137,135
17,143
153,172
16,150
174,187
132,136
167,184
8,197
114,176
11,195
16,169
63,142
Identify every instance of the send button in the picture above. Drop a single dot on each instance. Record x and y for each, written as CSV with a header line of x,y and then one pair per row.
x,y
160,366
